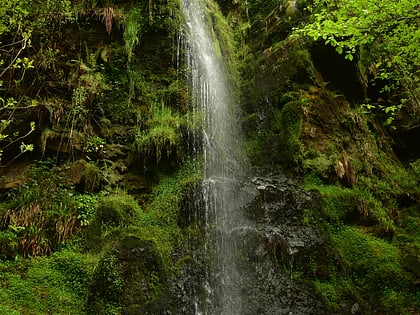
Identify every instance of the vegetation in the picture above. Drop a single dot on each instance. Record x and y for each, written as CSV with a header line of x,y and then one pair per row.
x,y
95,90
384,37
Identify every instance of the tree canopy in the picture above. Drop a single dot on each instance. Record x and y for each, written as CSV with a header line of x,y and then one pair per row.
x,y
384,35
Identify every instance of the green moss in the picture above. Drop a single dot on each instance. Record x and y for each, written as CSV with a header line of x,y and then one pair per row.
x,y
317,163
357,205
330,294
118,209
45,285
289,123
278,141
374,263
107,285
160,221
370,270
337,202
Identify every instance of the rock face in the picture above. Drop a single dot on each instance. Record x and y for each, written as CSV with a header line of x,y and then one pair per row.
x,y
270,249
279,243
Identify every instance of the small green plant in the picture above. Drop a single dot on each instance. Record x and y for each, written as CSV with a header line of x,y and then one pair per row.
x,y
390,112
86,205
95,144
155,286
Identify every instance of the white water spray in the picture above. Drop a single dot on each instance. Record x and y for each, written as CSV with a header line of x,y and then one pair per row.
x,y
213,98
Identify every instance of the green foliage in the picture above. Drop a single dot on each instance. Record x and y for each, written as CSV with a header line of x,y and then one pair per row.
x,y
385,36
156,286
162,133
20,22
132,30
46,285
95,144
86,205
116,210
390,111
40,215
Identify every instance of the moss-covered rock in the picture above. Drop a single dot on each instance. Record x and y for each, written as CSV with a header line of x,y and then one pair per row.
x,y
129,277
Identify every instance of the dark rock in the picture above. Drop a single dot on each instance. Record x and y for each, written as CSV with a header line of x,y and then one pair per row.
x,y
270,242
14,175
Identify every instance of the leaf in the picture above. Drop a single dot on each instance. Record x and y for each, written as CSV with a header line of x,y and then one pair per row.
x,y
339,49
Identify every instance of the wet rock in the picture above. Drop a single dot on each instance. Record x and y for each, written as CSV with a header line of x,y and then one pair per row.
x,y
270,242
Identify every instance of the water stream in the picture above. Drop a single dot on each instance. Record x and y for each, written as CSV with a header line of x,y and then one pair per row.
x,y
214,101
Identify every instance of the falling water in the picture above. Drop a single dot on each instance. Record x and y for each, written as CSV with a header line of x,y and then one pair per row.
x,y
213,99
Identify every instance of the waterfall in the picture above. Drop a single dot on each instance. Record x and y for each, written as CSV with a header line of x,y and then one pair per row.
x,y
252,231
213,99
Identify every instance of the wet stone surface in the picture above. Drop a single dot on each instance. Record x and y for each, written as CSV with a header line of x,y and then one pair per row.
x,y
270,242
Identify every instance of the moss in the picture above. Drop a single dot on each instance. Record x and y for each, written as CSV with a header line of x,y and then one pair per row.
x,y
45,284
373,263
277,141
288,122
337,203
107,284
369,270
130,275
160,222
118,209
317,163
330,294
